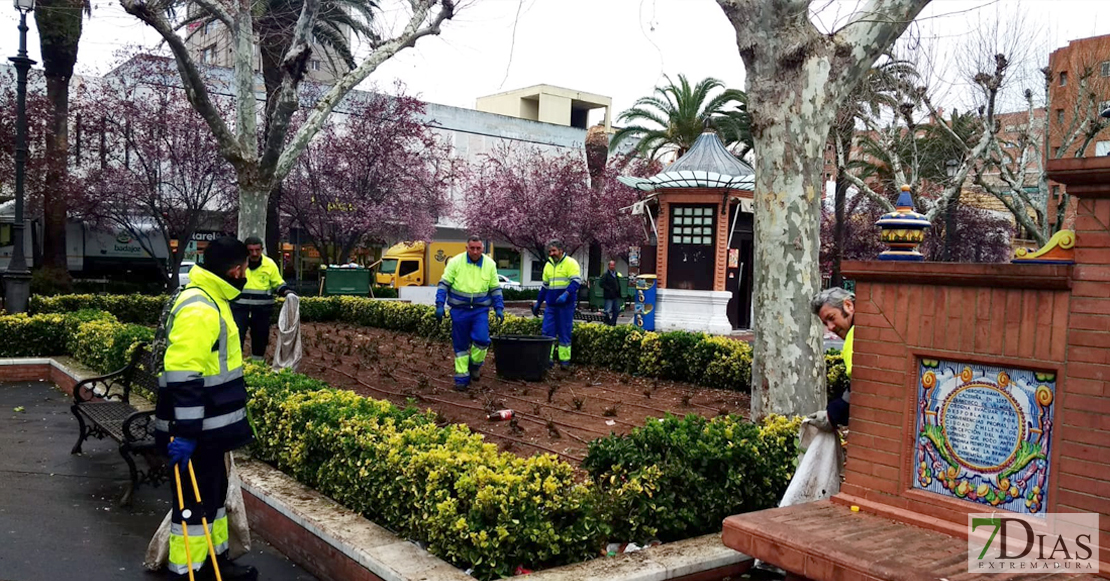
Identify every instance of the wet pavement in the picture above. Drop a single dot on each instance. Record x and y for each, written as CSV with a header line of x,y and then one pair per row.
x,y
59,518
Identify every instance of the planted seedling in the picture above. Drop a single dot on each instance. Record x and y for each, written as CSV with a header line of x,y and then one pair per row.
x,y
578,403
551,392
610,412
647,393
686,397
552,430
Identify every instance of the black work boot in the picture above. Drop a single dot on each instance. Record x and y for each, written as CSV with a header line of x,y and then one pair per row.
x,y
229,571
475,373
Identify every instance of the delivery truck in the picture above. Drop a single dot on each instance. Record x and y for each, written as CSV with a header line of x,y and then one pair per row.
x,y
416,263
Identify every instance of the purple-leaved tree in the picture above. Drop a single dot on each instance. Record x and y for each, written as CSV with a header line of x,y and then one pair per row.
x,y
156,167
380,175
526,196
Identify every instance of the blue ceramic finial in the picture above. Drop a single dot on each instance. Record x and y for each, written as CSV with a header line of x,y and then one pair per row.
x,y
903,230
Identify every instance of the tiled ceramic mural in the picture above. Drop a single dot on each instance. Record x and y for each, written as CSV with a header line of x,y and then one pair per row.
x,y
983,434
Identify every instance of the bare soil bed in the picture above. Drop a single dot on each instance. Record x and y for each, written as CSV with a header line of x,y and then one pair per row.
x,y
559,415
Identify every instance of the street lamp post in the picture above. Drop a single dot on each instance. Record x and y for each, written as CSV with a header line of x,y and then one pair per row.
x,y
951,167
17,280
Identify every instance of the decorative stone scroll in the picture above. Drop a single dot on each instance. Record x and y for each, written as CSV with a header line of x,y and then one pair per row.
x,y
983,434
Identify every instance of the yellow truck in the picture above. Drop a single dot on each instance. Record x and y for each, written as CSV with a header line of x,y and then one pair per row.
x,y
416,263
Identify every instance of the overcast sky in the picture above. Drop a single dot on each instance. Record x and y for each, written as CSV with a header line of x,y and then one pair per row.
x,y
618,48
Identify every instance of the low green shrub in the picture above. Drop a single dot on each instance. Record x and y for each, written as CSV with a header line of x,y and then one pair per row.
x,y
711,361
136,308
526,294
698,472
95,338
471,505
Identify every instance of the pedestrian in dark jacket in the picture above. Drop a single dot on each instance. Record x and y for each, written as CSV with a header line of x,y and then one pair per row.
x,y
611,287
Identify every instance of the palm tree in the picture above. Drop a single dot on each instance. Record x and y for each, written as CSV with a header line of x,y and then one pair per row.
x,y
882,86
59,23
274,23
674,117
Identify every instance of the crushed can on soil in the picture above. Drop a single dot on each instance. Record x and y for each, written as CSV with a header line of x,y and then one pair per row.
x,y
500,416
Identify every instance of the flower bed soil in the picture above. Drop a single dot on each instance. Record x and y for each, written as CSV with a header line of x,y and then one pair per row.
x,y
559,415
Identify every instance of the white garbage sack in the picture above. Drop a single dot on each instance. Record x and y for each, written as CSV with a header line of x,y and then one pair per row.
x,y
818,474
287,352
238,529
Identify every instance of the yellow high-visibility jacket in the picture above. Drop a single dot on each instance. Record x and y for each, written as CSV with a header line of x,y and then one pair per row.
x,y
201,393
467,284
262,282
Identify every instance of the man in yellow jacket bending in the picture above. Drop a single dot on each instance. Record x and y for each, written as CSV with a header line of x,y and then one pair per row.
x,y
202,407
255,305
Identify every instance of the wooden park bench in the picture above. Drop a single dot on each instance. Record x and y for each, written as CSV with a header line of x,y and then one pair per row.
x,y
103,408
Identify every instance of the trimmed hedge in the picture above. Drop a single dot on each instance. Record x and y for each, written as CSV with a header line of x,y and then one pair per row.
x,y
706,360
95,338
699,471
445,486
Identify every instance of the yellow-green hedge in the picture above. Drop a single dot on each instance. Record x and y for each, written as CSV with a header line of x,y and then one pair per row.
x,y
473,506
706,360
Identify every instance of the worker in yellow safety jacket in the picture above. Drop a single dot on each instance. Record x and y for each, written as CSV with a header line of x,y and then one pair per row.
x,y
201,406
470,287
561,278
836,308
255,306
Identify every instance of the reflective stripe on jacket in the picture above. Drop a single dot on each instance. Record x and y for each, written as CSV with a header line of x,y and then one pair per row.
x,y
470,285
201,392
262,282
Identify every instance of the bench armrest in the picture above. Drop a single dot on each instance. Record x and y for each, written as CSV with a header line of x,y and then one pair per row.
x,y
112,387
139,427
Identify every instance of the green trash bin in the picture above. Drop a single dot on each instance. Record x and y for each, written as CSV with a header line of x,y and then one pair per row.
x,y
597,296
346,281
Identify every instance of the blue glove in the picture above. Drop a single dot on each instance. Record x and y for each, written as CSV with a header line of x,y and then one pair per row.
x,y
500,314
181,449
562,300
536,309
439,313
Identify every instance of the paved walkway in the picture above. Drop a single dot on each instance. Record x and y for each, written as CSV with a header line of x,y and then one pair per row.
x,y
58,512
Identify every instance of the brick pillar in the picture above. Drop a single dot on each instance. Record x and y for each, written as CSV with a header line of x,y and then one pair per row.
x,y
1083,436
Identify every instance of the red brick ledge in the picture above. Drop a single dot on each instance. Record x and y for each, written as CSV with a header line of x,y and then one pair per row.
x,y
826,541
336,544
1024,276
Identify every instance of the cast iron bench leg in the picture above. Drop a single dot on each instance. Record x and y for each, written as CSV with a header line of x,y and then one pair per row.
x,y
83,431
128,491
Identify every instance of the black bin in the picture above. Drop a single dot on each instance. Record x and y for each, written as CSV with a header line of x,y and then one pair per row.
x,y
522,356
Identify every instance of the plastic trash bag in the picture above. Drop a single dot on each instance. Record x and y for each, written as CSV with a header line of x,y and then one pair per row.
x,y
238,529
818,473
287,352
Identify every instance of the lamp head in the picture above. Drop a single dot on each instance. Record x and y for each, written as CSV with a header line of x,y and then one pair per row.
x,y
24,5
950,167
1105,113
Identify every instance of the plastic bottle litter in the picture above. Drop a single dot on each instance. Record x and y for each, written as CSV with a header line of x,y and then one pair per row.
x,y
500,415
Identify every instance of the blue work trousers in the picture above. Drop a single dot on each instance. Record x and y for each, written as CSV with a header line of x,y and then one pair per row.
x,y
558,322
470,339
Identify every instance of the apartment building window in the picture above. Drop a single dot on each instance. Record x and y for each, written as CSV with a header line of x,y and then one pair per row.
x,y
314,64
1102,148
1060,116
1105,69
210,27
208,55
1063,78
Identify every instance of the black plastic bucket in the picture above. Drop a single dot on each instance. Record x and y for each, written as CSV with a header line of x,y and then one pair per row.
x,y
522,356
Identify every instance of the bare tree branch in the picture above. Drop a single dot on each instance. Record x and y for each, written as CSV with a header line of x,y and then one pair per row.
x,y
195,88
383,51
